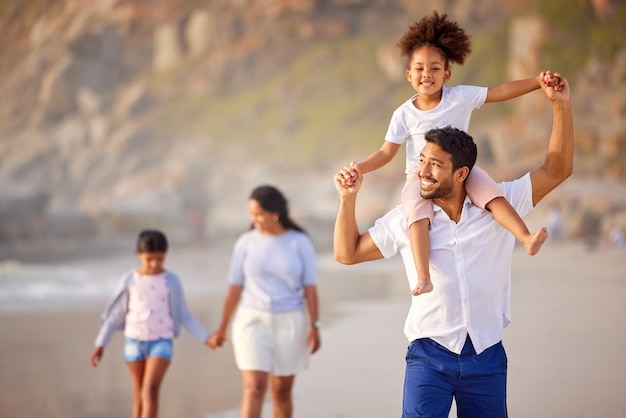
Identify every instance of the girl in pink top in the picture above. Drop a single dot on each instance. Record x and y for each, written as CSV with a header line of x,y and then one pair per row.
x,y
150,307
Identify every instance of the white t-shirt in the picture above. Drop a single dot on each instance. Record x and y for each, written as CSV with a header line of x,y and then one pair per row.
x,y
409,124
470,268
273,269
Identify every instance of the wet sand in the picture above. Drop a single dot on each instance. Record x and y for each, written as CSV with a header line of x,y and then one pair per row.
x,y
565,345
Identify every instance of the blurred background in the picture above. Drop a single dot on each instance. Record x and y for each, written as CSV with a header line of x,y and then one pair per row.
x,y
120,114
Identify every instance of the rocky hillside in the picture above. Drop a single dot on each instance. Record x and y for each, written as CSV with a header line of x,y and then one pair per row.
x,y
122,114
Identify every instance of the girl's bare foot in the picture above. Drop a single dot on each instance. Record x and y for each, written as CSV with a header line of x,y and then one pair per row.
x,y
535,241
423,286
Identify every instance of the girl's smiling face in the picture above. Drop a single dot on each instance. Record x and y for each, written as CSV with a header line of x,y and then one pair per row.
x,y
428,72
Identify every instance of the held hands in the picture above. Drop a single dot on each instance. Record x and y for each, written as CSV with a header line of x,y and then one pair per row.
x,y
217,339
550,79
554,86
349,179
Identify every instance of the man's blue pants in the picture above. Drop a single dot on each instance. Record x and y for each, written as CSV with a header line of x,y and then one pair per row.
x,y
435,376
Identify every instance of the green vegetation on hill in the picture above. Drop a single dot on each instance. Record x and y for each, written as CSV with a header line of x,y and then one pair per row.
x,y
332,100
327,102
578,35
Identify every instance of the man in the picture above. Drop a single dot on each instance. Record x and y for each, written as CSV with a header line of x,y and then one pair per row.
x,y
455,332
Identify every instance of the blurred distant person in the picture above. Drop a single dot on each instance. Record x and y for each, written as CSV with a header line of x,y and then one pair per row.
x,y
455,332
617,237
555,223
431,46
149,307
272,297
590,229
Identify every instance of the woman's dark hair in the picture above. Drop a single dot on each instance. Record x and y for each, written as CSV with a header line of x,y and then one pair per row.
x,y
272,200
151,241
438,32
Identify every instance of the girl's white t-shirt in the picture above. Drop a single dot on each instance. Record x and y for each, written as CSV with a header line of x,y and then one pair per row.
x,y
409,124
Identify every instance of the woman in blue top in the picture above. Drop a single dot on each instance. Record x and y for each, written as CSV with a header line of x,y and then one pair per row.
x,y
272,298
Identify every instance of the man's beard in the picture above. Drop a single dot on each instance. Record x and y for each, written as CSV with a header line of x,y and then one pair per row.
x,y
444,190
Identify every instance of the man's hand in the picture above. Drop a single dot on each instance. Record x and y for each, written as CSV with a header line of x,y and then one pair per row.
x,y
554,86
349,179
559,161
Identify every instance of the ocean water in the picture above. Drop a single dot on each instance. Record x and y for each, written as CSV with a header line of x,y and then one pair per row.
x,y
92,280
54,285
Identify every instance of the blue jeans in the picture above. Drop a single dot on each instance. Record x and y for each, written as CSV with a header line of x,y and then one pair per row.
x,y
435,375
135,350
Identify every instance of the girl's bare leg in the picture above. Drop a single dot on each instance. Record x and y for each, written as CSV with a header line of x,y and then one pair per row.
x,y
506,216
281,396
420,247
153,377
254,388
136,369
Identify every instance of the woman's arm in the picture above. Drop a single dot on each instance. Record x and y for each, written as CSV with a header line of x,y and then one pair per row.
x,y
180,312
230,304
310,294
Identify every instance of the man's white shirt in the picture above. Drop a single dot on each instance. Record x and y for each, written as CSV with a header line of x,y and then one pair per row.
x,y
470,268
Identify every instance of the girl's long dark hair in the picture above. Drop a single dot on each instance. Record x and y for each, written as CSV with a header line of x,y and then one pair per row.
x,y
272,200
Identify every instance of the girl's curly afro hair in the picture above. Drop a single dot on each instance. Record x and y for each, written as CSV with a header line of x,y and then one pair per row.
x,y
439,32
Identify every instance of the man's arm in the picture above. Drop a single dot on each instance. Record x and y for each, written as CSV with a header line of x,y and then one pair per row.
x,y
559,161
350,246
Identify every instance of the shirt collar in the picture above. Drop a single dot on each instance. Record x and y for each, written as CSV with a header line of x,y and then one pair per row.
x,y
467,203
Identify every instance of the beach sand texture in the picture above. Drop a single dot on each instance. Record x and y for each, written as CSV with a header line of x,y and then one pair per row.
x,y
566,345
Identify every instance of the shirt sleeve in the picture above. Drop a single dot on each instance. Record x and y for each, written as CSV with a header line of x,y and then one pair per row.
x,y
388,231
186,318
236,274
397,132
114,316
107,328
474,96
519,193
307,252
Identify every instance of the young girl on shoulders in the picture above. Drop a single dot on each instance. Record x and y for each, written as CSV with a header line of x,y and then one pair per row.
x,y
430,46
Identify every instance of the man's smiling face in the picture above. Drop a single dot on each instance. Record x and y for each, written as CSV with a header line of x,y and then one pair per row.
x,y
435,172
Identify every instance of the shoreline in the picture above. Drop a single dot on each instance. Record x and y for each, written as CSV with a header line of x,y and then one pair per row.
x,y
563,344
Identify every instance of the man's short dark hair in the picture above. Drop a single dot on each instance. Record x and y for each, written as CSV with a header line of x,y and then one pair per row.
x,y
151,241
456,143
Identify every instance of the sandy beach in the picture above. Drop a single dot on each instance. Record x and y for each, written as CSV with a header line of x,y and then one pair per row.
x,y
565,346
